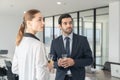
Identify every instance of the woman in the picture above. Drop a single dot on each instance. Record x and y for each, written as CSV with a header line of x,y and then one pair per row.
x,y
29,60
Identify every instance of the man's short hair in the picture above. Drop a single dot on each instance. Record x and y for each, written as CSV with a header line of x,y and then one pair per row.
x,y
63,16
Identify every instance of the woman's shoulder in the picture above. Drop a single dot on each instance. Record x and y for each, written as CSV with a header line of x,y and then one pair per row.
x,y
38,43
33,42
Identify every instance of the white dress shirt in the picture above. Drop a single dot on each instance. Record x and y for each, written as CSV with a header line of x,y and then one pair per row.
x,y
29,60
64,40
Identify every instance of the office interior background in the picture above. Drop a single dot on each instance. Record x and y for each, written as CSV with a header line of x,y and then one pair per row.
x,y
99,20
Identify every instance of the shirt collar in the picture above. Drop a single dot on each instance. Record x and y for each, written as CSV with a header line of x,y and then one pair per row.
x,y
30,35
70,36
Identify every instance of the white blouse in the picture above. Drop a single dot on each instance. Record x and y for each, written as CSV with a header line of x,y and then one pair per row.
x,y
30,61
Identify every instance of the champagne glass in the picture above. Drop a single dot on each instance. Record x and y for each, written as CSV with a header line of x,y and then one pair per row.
x,y
64,56
50,62
50,57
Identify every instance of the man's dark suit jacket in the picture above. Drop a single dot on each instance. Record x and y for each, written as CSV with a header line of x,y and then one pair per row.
x,y
81,53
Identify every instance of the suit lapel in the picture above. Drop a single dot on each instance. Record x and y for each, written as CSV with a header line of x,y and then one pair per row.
x,y
61,45
74,43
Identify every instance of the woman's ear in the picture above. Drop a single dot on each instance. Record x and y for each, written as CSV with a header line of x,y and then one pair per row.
x,y
29,23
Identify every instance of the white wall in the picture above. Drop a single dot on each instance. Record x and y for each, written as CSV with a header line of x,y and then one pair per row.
x,y
9,26
114,31
8,29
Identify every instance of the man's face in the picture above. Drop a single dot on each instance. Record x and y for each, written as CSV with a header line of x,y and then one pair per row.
x,y
66,25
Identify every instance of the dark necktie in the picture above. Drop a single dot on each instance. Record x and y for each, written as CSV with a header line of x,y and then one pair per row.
x,y
67,46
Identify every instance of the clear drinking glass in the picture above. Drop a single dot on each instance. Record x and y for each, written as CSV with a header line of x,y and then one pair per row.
x,y
50,57
50,62
64,56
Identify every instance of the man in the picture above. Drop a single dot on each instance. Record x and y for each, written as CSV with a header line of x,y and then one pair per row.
x,y
77,49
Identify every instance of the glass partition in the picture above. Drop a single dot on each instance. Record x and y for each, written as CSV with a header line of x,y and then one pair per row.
x,y
57,29
101,36
74,16
86,26
48,30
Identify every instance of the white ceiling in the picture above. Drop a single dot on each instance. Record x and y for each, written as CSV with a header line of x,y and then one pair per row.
x,y
48,7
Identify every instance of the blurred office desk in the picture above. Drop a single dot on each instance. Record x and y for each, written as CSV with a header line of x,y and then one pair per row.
x,y
100,75
2,63
2,60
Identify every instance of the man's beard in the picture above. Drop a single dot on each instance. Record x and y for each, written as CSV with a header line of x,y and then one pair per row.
x,y
68,32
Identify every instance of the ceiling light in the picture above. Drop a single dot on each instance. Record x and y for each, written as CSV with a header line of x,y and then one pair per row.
x,y
24,12
59,3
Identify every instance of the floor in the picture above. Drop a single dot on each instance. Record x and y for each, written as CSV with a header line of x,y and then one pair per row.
x,y
95,75
100,75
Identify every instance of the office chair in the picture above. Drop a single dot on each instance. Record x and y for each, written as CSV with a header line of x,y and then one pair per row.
x,y
3,73
10,75
107,66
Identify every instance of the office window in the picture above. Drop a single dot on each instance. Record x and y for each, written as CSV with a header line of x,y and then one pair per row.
x,y
74,16
57,29
101,36
86,26
48,30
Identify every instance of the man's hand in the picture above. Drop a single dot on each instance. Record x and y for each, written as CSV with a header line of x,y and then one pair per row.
x,y
60,62
66,62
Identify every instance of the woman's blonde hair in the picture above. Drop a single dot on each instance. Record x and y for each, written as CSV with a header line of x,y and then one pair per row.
x,y
28,16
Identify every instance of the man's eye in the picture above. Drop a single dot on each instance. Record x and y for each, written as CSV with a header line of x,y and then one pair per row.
x,y
39,20
65,23
70,23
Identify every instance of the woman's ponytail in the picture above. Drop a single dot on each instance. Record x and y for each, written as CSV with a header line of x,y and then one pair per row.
x,y
20,34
